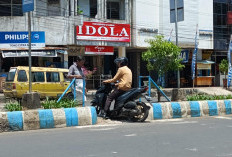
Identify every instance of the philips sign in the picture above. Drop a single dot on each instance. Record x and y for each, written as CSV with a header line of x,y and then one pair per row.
x,y
20,39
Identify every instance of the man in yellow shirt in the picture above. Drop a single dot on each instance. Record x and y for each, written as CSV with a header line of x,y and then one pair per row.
x,y
124,78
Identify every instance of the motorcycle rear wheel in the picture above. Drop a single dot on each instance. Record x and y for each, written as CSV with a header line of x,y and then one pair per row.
x,y
142,107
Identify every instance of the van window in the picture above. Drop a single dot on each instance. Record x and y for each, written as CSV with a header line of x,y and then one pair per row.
x,y
22,76
11,75
65,74
53,77
38,77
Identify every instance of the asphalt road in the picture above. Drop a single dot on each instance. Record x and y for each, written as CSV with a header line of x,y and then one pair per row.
x,y
195,137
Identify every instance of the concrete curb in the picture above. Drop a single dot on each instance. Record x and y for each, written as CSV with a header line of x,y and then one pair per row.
x,y
187,109
49,118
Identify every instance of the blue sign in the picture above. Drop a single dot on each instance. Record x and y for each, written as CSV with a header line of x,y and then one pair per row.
x,y
185,56
20,39
28,5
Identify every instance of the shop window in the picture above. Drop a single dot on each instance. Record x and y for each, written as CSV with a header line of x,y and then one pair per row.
x,y
22,76
53,77
93,8
38,77
112,10
11,8
54,8
115,9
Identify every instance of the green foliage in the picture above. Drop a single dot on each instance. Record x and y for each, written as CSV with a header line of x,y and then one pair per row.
x,y
64,103
223,66
13,106
199,97
79,11
162,56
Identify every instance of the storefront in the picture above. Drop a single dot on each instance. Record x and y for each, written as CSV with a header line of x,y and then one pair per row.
x,y
100,43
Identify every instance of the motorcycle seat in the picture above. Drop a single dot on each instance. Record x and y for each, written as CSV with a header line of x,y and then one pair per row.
x,y
127,93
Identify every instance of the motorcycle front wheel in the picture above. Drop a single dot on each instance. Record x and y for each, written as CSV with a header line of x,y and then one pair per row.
x,y
143,112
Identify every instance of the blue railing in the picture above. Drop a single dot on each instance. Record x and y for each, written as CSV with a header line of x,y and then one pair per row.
x,y
74,91
149,86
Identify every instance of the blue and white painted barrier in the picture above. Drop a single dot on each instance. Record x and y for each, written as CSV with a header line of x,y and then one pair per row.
x,y
50,118
188,109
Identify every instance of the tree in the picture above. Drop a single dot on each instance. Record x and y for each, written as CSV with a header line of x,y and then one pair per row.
x,y
223,67
162,56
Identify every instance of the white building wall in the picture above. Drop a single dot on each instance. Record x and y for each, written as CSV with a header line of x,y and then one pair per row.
x,y
156,14
58,30
206,24
146,16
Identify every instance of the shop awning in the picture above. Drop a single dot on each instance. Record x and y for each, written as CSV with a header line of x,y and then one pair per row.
x,y
205,62
41,52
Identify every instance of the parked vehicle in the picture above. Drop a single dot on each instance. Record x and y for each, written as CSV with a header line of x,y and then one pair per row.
x,y
50,82
125,106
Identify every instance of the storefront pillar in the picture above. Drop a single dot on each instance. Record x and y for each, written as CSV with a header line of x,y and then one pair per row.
x,y
122,52
65,61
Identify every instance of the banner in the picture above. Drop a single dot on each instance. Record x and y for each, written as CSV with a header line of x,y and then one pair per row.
x,y
229,63
194,62
100,31
194,58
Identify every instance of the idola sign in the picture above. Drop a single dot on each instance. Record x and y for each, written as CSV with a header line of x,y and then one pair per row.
x,y
103,32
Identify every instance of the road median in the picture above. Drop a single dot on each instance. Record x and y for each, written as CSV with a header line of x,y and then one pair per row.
x,y
48,118
187,109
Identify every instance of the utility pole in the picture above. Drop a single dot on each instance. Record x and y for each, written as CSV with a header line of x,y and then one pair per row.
x,y
176,27
29,50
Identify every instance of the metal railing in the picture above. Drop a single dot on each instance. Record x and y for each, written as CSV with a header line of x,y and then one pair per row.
x,y
149,86
97,80
74,91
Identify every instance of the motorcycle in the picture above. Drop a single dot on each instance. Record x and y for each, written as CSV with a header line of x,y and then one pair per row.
x,y
125,105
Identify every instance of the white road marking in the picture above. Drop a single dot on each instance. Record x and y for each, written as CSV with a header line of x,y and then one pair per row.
x,y
185,122
130,135
168,120
192,149
103,129
96,126
203,124
114,152
221,117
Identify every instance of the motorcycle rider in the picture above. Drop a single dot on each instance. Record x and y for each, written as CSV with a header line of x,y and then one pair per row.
x,y
124,78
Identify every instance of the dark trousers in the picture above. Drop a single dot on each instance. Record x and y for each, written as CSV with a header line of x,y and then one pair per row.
x,y
116,93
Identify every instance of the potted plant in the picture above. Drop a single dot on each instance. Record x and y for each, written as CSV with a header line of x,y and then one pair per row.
x,y
223,67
